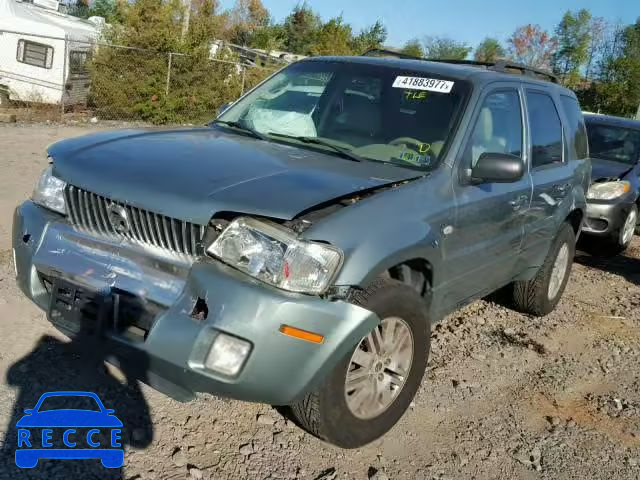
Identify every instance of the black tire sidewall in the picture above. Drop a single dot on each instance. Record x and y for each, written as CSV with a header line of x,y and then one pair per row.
x,y
341,427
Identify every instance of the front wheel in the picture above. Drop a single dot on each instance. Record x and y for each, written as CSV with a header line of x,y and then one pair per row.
x,y
540,295
628,229
372,386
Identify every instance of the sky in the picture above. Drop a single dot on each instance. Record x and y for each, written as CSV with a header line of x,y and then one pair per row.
x,y
466,20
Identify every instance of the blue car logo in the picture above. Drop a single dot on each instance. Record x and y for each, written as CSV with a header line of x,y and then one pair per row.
x,y
51,430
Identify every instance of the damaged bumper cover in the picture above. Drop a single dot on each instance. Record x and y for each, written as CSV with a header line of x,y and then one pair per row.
x,y
171,345
605,218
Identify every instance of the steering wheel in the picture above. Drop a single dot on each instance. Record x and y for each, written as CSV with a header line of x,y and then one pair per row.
x,y
411,141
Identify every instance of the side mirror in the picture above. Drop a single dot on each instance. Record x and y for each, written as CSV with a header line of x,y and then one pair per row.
x,y
28,411
497,168
109,411
224,107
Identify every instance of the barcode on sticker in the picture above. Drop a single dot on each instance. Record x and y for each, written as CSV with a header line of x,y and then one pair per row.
x,y
421,83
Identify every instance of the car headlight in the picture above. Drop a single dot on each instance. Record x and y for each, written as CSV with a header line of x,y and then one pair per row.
x,y
275,255
608,190
49,192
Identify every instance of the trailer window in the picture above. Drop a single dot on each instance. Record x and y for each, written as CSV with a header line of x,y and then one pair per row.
x,y
78,61
36,54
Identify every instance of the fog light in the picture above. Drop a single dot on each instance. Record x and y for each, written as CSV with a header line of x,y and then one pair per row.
x,y
227,354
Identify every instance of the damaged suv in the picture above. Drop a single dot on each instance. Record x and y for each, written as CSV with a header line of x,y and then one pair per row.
x,y
297,250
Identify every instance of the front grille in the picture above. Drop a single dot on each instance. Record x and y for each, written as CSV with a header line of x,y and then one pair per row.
x,y
95,213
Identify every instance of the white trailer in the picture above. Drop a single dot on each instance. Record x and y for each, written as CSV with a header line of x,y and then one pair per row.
x,y
44,53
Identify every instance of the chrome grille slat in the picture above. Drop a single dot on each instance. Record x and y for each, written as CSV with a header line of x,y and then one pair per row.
x,y
174,231
89,212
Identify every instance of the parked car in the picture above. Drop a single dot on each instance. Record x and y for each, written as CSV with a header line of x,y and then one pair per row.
x,y
614,196
299,256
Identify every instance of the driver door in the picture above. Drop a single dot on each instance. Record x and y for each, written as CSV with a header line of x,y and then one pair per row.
x,y
486,239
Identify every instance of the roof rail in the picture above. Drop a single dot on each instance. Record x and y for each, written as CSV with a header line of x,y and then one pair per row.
x,y
503,66
389,52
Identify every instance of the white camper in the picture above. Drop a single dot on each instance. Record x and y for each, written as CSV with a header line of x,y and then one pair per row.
x,y
44,53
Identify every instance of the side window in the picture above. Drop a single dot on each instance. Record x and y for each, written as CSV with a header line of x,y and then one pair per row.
x,y
36,54
546,130
498,128
577,130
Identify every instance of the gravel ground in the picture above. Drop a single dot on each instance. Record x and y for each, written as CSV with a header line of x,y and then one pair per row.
x,y
506,395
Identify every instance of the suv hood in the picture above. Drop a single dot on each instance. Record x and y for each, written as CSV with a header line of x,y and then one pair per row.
x,y
192,174
605,169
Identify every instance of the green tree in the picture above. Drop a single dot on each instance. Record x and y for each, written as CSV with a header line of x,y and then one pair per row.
x,y
619,90
573,35
301,28
334,38
413,48
445,48
268,37
79,8
373,36
533,46
151,84
246,17
489,50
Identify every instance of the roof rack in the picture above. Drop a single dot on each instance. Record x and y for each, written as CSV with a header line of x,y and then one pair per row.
x,y
503,66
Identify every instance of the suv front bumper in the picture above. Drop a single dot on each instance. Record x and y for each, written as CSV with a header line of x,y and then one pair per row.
x,y
606,218
279,369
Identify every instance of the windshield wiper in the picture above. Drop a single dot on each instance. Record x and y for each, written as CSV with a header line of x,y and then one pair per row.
x,y
241,127
343,152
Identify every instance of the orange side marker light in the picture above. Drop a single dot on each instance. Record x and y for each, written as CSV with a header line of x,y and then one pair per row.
x,y
301,334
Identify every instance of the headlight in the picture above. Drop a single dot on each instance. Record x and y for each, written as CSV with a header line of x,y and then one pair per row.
x,y
274,255
608,190
49,192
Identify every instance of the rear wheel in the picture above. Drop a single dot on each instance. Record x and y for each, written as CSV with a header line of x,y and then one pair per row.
x,y
540,295
372,386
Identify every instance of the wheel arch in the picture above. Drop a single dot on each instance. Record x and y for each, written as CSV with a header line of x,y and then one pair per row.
x,y
575,219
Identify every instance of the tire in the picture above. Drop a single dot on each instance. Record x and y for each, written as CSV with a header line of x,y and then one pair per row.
x,y
618,242
535,296
328,414
628,228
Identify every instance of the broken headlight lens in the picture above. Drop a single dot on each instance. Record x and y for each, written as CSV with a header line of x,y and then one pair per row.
x,y
275,255
49,192
608,190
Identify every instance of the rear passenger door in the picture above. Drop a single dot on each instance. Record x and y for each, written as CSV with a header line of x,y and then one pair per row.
x,y
551,173
484,244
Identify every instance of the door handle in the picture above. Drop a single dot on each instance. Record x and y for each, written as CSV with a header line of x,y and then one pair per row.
x,y
519,202
562,189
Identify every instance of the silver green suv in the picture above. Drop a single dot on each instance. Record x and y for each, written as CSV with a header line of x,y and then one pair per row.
x,y
297,250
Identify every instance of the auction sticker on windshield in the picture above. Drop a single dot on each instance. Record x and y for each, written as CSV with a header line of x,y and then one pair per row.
x,y
421,83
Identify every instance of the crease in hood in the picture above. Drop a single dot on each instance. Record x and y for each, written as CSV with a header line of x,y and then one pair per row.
x,y
191,174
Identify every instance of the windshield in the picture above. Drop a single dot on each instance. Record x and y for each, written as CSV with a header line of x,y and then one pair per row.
x,y
614,143
380,114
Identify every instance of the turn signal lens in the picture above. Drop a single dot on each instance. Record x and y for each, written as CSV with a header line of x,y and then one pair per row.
x,y
301,334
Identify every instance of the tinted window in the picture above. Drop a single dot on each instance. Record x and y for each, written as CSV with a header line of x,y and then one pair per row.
x,y
546,130
614,143
577,130
498,128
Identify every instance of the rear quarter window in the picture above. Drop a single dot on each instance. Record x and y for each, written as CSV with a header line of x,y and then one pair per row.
x,y
577,134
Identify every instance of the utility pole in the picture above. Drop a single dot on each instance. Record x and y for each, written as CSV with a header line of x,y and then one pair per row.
x,y
638,113
186,18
